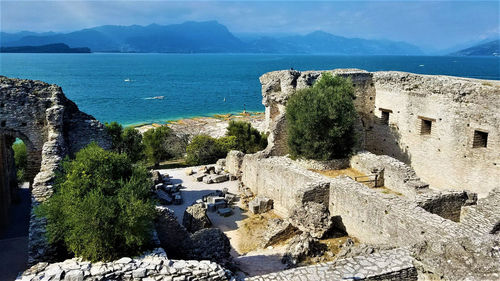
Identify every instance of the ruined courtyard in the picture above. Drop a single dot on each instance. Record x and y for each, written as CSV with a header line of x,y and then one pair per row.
x,y
418,200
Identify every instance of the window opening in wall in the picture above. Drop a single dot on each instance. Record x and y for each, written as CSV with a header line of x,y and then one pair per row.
x,y
426,125
480,139
384,116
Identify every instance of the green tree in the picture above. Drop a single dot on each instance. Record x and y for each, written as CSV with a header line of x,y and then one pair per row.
x,y
101,207
204,149
156,144
248,139
21,160
131,144
321,119
115,131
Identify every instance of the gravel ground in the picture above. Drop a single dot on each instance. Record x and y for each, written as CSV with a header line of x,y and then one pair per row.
x,y
254,263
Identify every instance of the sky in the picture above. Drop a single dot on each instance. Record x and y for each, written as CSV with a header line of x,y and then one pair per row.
x,y
428,24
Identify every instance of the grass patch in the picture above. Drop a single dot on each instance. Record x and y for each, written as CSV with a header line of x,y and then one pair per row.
x,y
350,172
171,164
250,231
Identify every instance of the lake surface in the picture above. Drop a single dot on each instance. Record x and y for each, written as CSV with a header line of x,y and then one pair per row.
x,y
122,87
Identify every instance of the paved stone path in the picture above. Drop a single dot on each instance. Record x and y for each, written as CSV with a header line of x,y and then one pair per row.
x,y
14,239
396,264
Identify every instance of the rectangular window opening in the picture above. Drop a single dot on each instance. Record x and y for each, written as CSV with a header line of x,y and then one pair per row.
x,y
480,139
426,127
384,116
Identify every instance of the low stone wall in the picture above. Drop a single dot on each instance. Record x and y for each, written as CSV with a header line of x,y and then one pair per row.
x,y
335,164
485,216
392,173
394,265
446,204
281,179
153,266
377,218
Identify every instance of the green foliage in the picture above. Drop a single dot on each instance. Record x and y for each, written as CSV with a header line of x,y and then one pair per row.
x,y
115,131
321,119
21,160
131,144
204,149
100,209
156,144
248,139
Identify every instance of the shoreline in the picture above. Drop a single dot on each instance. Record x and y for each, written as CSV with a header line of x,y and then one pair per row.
x,y
214,125
209,115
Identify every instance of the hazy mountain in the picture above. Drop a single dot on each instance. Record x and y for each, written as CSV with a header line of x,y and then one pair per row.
x,y
9,37
51,48
491,48
209,37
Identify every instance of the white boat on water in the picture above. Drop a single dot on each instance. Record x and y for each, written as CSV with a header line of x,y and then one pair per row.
x,y
127,80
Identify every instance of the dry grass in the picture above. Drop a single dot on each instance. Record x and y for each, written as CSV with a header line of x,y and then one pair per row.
x,y
350,172
333,248
353,173
250,231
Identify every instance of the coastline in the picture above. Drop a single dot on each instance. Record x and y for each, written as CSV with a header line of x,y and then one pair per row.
x,y
214,126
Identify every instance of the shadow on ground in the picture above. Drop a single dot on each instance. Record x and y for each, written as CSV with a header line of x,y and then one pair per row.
x,y
14,238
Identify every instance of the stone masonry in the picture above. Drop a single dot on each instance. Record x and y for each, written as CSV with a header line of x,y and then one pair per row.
x,y
445,128
52,127
394,265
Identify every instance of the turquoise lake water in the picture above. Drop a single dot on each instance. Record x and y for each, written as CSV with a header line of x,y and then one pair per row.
x,y
120,87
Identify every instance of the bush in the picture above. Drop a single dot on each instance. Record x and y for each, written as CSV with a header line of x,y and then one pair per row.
x,y
21,160
248,139
321,119
157,144
115,131
131,144
100,209
204,149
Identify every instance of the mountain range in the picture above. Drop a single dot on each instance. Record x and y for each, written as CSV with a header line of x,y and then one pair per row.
x,y
205,37
491,48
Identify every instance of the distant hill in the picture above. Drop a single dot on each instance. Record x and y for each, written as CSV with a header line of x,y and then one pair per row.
x,y
491,48
51,48
208,37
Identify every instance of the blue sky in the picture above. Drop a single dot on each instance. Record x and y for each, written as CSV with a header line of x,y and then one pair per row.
x,y
430,24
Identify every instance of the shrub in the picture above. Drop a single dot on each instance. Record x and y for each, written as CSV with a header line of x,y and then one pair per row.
x,y
156,145
21,160
100,209
115,131
248,139
204,149
131,144
321,119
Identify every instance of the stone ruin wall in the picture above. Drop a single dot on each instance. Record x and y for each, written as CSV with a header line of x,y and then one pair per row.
x,y
8,180
452,249
455,106
277,87
445,158
52,127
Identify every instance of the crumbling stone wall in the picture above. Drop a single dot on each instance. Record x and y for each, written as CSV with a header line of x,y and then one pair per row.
x,y
52,127
278,86
286,183
455,108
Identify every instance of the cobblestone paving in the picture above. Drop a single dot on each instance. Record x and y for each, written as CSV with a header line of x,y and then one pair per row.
x,y
396,264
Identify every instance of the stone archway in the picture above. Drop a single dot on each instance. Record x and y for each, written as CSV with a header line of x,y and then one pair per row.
x,y
52,127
